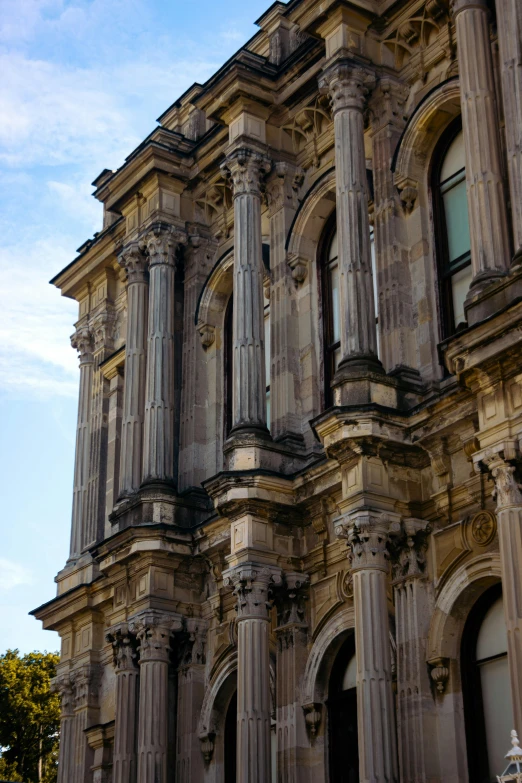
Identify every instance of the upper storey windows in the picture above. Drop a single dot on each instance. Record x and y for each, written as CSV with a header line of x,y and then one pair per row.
x,y
332,322
452,226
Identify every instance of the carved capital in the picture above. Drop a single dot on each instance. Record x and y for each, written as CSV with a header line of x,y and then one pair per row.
x,y
86,682
246,169
498,460
65,687
82,341
253,587
283,186
153,630
124,647
162,244
408,545
192,651
103,329
290,599
367,533
347,84
388,103
133,260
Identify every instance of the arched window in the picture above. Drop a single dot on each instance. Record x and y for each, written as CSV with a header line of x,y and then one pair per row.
x,y
343,747
230,743
450,206
486,687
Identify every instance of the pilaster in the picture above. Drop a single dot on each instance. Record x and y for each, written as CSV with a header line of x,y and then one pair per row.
x,y
64,686
133,260
490,252
285,425
86,683
191,692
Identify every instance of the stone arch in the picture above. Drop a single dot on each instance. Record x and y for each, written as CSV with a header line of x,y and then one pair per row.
x,y
322,656
314,210
455,601
216,292
429,119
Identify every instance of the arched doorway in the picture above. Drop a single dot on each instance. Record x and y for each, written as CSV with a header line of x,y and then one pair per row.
x,y
486,686
231,740
343,749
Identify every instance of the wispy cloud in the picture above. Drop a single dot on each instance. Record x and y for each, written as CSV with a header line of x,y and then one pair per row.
x,y
13,574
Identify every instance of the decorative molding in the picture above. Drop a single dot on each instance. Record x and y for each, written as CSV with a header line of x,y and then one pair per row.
x,y
299,267
247,169
253,587
440,673
313,713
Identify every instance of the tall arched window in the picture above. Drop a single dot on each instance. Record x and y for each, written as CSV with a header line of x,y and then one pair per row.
x,y
343,741
452,227
486,687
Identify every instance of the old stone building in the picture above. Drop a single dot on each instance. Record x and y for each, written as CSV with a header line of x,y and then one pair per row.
x,y
297,525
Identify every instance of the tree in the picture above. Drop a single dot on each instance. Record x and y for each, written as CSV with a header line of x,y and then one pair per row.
x,y
29,717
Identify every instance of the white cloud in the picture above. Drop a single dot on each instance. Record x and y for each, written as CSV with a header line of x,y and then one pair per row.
x,y
13,574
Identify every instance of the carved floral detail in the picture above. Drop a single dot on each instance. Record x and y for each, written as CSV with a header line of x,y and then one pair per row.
x,y
153,630
347,85
134,261
124,647
483,528
253,588
247,170
162,244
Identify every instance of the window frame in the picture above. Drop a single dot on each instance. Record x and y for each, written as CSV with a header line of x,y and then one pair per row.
x,y
444,271
326,311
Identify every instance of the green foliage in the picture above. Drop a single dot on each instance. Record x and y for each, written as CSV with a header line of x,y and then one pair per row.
x,y
29,717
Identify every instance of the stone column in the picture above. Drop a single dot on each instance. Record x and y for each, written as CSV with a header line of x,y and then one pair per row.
x,y
246,168
63,685
413,612
102,327
509,516
124,764
292,654
154,631
158,451
86,682
285,424
82,341
252,585
347,84
191,692
509,25
394,287
135,264
367,533
486,201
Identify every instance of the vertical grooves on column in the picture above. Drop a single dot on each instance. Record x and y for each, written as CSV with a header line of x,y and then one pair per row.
x,y
134,395
510,540
125,735
67,750
158,460
97,458
153,722
81,469
486,202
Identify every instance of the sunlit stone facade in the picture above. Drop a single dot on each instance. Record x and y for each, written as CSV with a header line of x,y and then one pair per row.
x,y
297,525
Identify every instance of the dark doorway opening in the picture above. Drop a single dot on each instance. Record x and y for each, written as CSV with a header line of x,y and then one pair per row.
x,y
231,740
342,716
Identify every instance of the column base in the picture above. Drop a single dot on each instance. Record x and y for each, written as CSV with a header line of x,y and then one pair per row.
x,y
256,450
493,294
362,382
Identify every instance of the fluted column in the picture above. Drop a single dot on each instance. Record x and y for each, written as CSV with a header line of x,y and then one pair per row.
x,y
83,342
486,200
252,585
135,264
509,26
413,611
64,687
86,682
246,168
154,631
285,424
367,533
191,692
347,84
158,452
509,518
124,764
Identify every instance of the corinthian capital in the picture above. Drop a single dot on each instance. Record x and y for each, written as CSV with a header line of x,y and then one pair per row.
x,y
246,168
153,630
162,243
409,542
347,85
507,490
86,681
64,686
82,341
283,186
253,586
368,534
124,647
134,261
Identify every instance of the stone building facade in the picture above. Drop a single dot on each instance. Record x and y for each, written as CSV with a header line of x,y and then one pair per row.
x,y
297,524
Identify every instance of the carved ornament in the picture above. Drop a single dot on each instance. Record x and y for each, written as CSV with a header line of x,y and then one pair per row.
x,y
253,587
246,169
347,85
134,261
124,647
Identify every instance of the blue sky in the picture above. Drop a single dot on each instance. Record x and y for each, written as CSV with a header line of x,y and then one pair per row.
x,y
83,81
